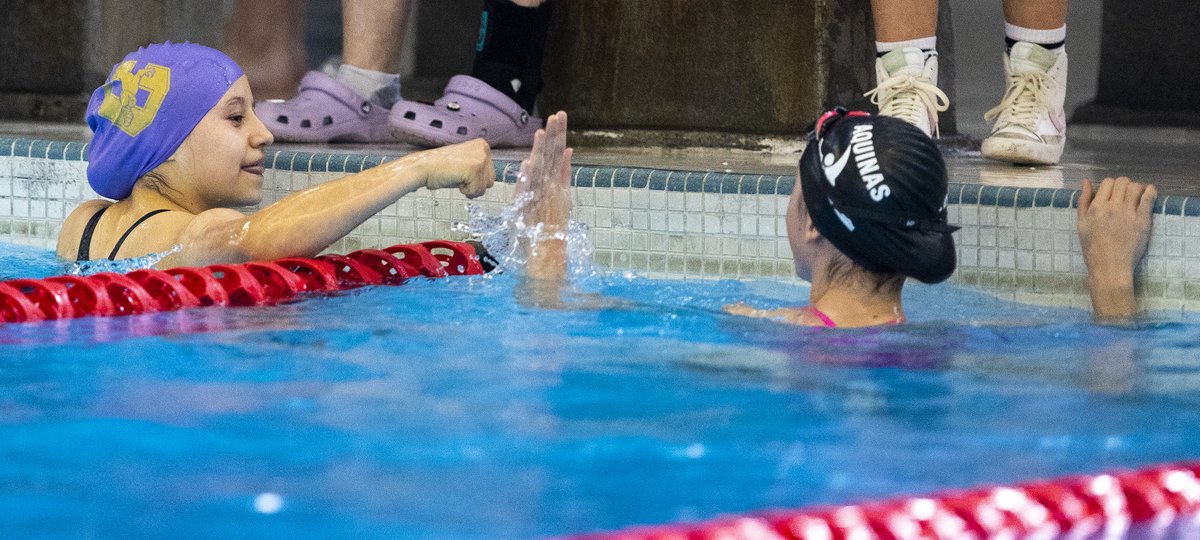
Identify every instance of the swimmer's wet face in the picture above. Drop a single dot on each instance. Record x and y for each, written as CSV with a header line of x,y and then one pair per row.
x,y
220,164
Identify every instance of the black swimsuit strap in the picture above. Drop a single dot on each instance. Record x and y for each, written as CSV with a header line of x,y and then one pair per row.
x,y
116,248
85,243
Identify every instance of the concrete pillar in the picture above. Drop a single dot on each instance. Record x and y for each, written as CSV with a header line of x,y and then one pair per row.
x,y
57,52
732,66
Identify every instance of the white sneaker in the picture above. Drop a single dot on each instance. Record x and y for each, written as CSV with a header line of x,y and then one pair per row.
x,y
908,88
1031,126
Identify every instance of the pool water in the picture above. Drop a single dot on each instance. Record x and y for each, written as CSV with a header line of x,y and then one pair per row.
x,y
454,409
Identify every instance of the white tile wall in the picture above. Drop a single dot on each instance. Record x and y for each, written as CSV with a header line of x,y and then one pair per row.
x,y
1023,254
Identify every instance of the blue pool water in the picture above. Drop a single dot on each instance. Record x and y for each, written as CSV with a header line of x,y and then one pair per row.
x,y
449,409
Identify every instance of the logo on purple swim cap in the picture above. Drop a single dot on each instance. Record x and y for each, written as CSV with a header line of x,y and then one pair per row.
x,y
147,107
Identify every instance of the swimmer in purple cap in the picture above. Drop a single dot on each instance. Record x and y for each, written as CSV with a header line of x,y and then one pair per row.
x,y
177,147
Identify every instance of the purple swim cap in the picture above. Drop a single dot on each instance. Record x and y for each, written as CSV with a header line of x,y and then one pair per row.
x,y
150,103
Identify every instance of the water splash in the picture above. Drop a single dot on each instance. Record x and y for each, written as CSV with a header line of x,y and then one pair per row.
x,y
505,234
120,266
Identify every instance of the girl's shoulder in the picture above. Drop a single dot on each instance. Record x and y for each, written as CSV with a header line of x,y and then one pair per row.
x,y
72,228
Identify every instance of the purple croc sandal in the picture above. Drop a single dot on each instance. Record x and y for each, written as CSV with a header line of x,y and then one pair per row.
x,y
469,109
325,111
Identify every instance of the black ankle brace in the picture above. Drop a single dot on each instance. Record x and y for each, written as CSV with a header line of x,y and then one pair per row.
x,y
512,40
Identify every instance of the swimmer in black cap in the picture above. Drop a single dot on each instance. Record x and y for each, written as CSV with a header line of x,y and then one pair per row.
x,y
868,211
872,213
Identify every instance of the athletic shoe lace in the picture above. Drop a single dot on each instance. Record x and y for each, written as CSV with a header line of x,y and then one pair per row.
x,y
908,97
1024,99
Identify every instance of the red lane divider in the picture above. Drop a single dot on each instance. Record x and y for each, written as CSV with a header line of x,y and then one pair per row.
x,y
201,283
1156,502
51,298
87,297
318,276
351,273
392,270
128,297
419,257
453,258
249,284
166,290
16,307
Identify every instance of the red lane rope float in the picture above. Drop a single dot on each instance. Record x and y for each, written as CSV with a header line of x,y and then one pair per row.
x,y
391,270
87,297
16,307
249,284
420,258
165,289
128,297
452,259
51,298
1156,502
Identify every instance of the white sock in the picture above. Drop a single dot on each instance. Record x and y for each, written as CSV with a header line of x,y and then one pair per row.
x,y
1052,36
925,44
383,88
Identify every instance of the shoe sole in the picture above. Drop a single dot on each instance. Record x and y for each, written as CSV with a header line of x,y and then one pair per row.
x,y
376,135
1020,152
415,134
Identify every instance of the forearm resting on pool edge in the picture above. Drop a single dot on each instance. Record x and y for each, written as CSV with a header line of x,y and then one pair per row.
x,y
307,222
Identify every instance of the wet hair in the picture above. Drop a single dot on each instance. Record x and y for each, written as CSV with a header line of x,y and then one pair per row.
x,y
844,271
157,182
875,187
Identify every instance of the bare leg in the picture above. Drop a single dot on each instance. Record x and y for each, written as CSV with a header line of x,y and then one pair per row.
x,y
272,55
374,32
902,20
1036,14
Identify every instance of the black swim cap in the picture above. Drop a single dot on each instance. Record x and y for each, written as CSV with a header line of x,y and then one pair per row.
x,y
875,187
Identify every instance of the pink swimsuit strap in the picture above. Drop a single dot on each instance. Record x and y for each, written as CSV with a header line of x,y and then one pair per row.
x,y
825,320
828,322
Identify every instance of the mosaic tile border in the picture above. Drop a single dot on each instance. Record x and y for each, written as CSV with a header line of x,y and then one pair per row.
x,y
1017,243
632,177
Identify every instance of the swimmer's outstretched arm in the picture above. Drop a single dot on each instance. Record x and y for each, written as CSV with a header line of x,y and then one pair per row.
x,y
306,222
546,179
1114,229
791,315
545,183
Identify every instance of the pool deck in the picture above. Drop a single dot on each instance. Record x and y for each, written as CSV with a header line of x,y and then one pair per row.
x,y
1165,157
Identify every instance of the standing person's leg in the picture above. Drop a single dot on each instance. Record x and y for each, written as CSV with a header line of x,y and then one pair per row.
x,y
373,34
512,40
272,56
906,70
904,20
352,106
1031,125
496,100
